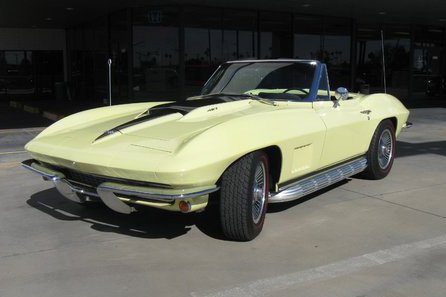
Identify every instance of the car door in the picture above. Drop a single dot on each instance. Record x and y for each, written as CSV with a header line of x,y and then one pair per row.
x,y
346,130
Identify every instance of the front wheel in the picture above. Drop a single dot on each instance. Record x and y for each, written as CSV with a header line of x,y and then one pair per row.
x,y
381,151
244,197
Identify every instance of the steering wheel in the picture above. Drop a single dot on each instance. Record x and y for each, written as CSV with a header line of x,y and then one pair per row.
x,y
296,89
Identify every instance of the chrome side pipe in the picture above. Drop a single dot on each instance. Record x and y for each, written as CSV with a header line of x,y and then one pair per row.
x,y
319,181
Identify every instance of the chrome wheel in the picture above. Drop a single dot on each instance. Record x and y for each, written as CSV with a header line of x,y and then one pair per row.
x,y
385,149
258,193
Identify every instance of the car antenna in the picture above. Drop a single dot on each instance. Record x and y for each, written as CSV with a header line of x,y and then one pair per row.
x,y
109,62
384,61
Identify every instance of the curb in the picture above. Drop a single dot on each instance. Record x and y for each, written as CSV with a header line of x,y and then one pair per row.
x,y
31,109
52,116
15,104
35,110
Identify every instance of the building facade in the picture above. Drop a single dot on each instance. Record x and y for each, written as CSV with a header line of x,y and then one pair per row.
x,y
168,52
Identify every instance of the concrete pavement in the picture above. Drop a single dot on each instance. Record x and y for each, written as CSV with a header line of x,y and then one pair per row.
x,y
360,238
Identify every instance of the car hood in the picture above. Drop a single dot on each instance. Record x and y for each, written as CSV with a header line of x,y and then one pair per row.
x,y
164,128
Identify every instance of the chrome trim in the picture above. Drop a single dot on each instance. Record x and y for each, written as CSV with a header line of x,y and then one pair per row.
x,y
113,202
341,93
319,181
107,191
407,125
44,172
68,190
161,195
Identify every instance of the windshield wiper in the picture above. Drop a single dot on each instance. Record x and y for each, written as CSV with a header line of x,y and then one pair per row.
x,y
255,97
260,99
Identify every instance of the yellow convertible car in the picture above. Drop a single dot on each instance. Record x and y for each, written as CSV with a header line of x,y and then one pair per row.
x,y
262,131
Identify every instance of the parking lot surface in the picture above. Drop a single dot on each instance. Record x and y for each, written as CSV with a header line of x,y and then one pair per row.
x,y
359,238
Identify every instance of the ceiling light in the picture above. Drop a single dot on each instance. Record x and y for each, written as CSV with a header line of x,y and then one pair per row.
x,y
305,5
69,8
48,19
382,13
442,20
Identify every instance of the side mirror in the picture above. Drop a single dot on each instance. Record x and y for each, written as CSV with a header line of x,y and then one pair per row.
x,y
341,93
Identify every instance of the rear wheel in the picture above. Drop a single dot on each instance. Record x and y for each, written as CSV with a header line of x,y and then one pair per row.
x,y
244,197
381,151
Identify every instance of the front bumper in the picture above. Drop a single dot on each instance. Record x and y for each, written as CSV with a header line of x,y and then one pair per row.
x,y
120,196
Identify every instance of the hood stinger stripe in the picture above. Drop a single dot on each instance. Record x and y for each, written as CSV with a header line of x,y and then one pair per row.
x,y
183,107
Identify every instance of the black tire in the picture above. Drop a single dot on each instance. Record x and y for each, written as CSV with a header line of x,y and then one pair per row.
x,y
381,152
242,213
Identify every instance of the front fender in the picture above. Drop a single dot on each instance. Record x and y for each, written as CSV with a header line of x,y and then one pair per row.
x,y
202,159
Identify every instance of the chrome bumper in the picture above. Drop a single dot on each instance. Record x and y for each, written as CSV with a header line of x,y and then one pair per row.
x,y
109,192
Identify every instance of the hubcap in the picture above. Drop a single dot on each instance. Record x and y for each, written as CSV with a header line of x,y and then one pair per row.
x,y
259,192
385,149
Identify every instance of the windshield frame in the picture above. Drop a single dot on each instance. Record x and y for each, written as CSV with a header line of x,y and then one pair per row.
x,y
320,74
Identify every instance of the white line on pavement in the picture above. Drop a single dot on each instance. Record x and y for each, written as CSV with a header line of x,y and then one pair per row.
x,y
266,286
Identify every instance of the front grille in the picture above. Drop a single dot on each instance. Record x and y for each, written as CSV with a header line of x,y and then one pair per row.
x,y
94,181
87,179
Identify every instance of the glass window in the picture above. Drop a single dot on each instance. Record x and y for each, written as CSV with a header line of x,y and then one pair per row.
x,y
273,80
370,72
239,34
30,74
336,50
87,47
16,74
327,40
155,54
308,37
429,62
3,78
203,46
119,45
49,71
276,40
76,77
95,55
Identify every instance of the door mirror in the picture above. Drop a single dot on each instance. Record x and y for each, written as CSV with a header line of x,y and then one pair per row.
x,y
341,93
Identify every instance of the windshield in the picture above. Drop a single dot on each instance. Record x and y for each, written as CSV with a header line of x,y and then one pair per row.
x,y
270,80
